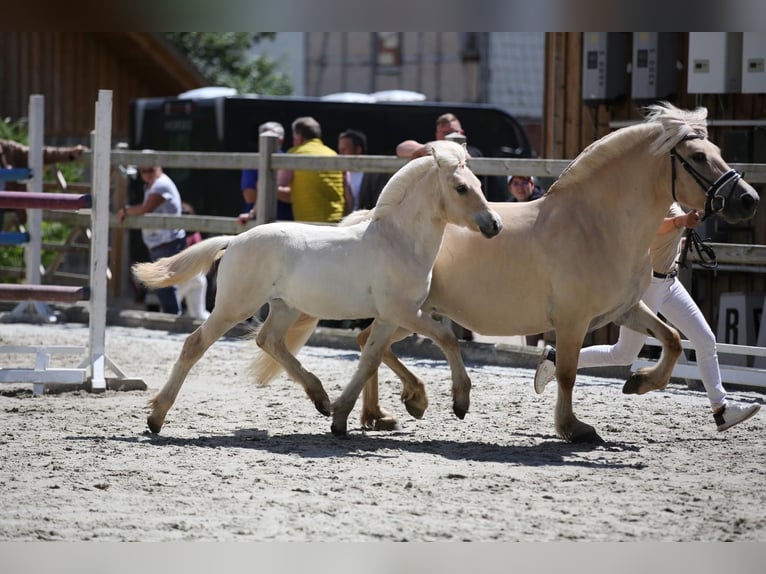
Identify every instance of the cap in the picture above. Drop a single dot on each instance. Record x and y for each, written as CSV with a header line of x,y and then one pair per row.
x,y
272,128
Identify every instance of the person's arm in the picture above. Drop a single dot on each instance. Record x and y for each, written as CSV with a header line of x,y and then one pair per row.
x,y
284,181
152,202
686,220
410,149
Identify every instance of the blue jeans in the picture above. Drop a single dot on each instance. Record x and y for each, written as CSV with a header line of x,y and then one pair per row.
x,y
167,295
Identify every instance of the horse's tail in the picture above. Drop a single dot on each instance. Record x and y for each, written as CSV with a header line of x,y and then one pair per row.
x,y
264,368
182,266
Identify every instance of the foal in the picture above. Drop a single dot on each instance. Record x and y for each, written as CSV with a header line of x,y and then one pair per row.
x,y
380,267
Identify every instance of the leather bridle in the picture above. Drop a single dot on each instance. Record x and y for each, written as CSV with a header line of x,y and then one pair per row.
x,y
714,202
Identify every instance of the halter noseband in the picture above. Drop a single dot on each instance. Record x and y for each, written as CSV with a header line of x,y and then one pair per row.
x,y
713,204
713,201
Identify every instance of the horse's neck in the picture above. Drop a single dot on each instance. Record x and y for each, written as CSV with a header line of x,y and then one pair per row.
x,y
632,192
415,223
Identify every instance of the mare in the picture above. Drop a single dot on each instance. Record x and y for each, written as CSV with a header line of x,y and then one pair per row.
x,y
380,267
577,258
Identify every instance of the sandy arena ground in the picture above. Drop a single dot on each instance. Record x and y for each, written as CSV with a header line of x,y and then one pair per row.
x,y
236,461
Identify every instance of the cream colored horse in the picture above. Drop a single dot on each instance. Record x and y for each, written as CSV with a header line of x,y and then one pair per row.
x,y
577,258
380,268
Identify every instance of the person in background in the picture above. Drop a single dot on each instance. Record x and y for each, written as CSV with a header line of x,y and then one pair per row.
x,y
315,195
363,188
194,291
668,296
446,124
160,196
249,182
523,188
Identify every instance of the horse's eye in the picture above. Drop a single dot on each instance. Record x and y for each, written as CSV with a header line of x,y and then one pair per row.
x,y
699,156
462,189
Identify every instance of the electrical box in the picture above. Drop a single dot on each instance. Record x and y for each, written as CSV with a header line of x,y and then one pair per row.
x,y
715,62
655,66
605,59
754,63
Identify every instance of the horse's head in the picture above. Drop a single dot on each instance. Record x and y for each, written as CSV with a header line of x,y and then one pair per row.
x,y
725,192
706,182
460,197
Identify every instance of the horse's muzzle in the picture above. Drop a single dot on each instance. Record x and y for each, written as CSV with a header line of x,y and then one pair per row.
x,y
489,223
741,204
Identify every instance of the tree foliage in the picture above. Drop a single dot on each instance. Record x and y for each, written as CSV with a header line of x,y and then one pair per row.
x,y
226,58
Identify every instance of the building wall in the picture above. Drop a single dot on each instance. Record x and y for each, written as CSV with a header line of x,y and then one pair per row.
x,y
430,63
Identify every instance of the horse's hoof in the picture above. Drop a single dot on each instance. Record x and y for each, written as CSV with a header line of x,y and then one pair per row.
x,y
459,411
153,427
588,437
635,385
415,410
338,430
323,408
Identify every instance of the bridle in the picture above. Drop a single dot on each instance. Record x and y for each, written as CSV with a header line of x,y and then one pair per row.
x,y
714,202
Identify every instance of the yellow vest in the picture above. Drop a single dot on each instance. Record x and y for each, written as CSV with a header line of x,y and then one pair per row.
x,y
316,195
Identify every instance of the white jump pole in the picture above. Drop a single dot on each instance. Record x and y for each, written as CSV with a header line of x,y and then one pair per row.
x,y
99,243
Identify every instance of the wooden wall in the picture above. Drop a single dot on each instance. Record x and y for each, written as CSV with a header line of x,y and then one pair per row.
x,y
569,125
69,68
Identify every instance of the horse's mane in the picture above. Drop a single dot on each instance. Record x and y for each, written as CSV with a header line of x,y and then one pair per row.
x,y
441,154
666,124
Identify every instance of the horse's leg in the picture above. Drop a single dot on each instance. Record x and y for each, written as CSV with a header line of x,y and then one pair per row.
x,y
194,347
372,354
413,389
641,319
443,336
271,338
568,343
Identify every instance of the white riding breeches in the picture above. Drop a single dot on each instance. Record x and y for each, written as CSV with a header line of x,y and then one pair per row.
x,y
669,297
194,291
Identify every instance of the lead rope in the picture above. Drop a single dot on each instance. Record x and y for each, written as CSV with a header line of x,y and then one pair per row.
x,y
705,253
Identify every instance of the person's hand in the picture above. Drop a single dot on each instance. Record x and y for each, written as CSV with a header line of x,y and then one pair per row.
x,y
692,219
420,152
243,218
121,213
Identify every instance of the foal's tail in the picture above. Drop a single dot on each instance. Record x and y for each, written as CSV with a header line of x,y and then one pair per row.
x,y
182,266
264,368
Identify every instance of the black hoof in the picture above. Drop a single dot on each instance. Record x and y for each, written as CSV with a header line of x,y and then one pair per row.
x,y
587,438
459,413
322,408
153,428
338,430
631,386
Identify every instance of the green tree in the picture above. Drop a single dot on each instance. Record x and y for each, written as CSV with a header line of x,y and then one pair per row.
x,y
226,58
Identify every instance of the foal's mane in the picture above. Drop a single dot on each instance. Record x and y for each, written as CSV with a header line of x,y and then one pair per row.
x,y
664,126
442,155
